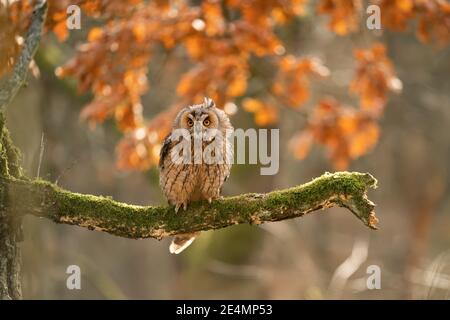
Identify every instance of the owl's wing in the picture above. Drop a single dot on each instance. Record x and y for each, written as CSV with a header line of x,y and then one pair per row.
x,y
164,150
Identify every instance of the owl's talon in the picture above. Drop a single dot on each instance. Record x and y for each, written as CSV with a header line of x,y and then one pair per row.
x,y
209,200
177,207
185,206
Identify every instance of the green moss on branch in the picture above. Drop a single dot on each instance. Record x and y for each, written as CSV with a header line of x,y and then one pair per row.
x,y
43,199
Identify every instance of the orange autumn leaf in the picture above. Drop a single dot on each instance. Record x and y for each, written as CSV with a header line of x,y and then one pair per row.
x,y
434,21
433,18
13,23
139,149
99,109
255,40
291,84
95,34
196,46
252,105
347,124
265,114
139,31
375,78
364,139
344,14
237,86
300,144
212,12
345,132
221,77
60,30
396,13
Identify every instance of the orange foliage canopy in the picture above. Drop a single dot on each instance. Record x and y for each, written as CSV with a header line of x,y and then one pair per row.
x,y
220,39
346,132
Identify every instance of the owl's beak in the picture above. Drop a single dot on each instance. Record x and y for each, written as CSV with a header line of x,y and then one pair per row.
x,y
198,128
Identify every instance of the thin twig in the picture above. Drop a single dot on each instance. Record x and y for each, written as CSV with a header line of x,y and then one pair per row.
x,y
41,154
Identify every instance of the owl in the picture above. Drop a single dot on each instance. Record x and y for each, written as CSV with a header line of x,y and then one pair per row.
x,y
195,160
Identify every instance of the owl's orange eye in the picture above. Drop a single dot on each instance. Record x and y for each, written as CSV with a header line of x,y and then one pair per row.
x,y
206,122
190,122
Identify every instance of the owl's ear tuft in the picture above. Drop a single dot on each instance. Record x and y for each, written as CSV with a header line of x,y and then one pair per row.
x,y
208,102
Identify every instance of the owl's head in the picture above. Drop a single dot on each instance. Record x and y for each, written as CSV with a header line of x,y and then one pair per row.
x,y
201,117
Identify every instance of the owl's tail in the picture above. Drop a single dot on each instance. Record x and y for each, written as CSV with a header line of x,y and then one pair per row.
x,y
181,242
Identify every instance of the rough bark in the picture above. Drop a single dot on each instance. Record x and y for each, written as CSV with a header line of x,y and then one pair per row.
x,y
10,225
10,85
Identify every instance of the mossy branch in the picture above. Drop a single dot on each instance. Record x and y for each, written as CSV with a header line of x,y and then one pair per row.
x,y
44,199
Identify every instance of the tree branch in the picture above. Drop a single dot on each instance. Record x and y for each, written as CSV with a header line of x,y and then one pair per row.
x,y
10,85
44,199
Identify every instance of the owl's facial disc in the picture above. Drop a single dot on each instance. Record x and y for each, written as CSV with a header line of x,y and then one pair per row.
x,y
199,121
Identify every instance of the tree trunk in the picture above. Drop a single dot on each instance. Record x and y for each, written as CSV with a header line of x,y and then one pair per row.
x,y
10,225
10,258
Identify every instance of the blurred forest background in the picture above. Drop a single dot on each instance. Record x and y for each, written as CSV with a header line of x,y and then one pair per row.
x,y
322,256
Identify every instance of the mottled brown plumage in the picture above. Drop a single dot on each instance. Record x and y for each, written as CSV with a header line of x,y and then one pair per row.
x,y
198,179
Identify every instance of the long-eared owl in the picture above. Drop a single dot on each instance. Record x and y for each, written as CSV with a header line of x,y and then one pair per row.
x,y
195,160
